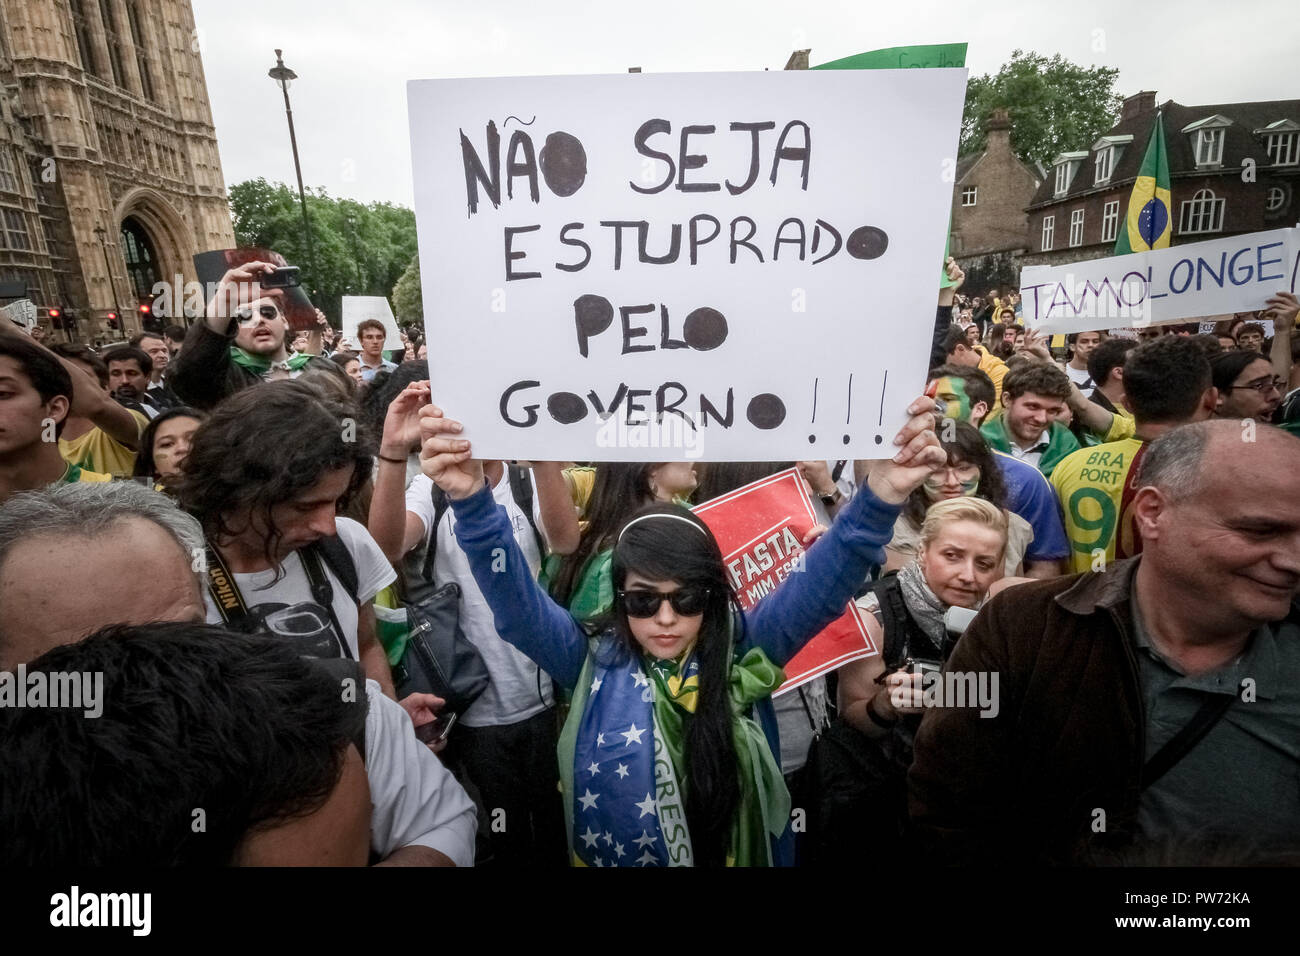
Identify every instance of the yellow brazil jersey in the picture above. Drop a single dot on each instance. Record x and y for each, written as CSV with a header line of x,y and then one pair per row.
x,y
1090,486
72,475
97,451
1122,426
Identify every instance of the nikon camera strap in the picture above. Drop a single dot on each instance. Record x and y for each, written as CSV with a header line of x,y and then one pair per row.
x,y
234,611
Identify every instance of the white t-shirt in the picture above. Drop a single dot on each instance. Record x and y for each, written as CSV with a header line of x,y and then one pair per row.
x,y
287,606
512,695
1079,376
417,802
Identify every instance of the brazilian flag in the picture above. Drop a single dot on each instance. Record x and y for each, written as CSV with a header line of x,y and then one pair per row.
x,y
1149,224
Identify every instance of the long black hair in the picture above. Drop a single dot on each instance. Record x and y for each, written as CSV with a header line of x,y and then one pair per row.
x,y
672,550
967,445
619,491
144,467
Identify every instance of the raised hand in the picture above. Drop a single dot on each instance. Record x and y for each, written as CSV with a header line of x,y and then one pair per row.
x,y
919,454
402,423
446,459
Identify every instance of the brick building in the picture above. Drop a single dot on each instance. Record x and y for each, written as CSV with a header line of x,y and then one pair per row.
x,y
992,189
109,174
1233,168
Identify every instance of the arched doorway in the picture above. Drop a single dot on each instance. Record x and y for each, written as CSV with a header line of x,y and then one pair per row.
x,y
142,262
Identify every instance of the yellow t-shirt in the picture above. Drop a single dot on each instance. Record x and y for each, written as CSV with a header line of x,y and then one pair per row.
x,y
97,451
73,475
1090,486
995,369
1122,426
580,480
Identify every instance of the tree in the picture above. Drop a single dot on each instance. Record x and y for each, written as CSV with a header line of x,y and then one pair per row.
x,y
407,301
357,249
1056,106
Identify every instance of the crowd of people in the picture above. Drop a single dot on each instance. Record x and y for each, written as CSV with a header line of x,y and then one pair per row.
x,y
1080,569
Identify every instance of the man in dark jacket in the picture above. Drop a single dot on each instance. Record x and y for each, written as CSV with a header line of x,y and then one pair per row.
x,y
241,342
1100,671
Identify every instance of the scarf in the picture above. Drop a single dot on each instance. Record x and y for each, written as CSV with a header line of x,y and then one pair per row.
x,y
262,365
1060,442
924,604
622,760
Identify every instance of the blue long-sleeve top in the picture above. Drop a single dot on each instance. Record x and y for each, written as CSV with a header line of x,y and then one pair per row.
x,y
780,624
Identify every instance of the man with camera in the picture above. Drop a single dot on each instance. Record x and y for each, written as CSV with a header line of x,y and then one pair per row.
x,y
242,342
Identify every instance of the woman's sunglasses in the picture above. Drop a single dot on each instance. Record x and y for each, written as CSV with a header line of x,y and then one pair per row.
x,y
247,316
687,601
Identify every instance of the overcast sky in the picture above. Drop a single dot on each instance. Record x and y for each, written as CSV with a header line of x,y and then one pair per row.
x,y
350,101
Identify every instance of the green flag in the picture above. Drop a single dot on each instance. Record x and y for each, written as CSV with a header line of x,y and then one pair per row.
x,y
1148,224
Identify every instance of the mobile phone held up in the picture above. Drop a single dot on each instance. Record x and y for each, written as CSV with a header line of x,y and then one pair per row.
x,y
285,277
437,729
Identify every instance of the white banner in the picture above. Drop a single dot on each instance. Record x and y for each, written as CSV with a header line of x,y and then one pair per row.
x,y
641,267
1236,274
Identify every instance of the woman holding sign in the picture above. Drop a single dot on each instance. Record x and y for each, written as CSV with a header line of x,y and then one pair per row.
x,y
666,758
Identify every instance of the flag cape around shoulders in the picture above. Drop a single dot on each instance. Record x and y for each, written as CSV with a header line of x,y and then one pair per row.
x,y
1149,222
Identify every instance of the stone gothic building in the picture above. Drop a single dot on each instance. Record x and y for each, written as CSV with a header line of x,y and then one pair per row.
x,y
110,179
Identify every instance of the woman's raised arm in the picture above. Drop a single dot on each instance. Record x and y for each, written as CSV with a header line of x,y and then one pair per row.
x,y
524,614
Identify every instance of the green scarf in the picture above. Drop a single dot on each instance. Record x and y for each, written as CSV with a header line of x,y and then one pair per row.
x,y
1060,442
764,799
261,365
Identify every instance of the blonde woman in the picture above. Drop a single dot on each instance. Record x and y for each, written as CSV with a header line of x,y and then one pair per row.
x,y
962,550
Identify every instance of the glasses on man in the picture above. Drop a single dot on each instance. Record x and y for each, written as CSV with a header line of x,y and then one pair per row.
x,y
687,601
247,316
1261,385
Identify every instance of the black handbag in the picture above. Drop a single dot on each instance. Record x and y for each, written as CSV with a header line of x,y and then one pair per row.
x,y
439,659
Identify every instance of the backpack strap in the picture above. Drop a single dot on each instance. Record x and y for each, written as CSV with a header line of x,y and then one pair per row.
x,y
521,489
440,506
336,555
902,633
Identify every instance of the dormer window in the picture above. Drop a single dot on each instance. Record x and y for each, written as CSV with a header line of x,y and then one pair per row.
x,y
1105,162
1209,147
1284,148
1207,139
1106,152
1282,142
1063,176
1067,164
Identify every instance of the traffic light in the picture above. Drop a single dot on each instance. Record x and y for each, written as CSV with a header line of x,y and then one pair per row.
x,y
56,318
114,322
149,320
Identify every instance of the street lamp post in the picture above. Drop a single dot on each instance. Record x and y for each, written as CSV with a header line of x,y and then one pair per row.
x,y
283,76
101,234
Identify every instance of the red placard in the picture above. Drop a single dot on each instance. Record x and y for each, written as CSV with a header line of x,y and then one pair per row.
x,y
759,528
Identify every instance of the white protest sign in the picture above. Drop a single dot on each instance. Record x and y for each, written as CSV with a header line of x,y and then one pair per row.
x,y
1183,282
358,308
640,267
22,312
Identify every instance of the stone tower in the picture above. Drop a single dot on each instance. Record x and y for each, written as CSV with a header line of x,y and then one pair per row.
x,y
110,179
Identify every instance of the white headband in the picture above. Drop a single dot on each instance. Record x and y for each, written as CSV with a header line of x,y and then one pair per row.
x,y
661,515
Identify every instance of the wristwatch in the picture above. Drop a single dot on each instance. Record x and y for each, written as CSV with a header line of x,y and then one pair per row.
x,y
830,500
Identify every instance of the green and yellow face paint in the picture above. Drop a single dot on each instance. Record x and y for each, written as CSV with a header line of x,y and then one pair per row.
x,y
955,480
951,391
